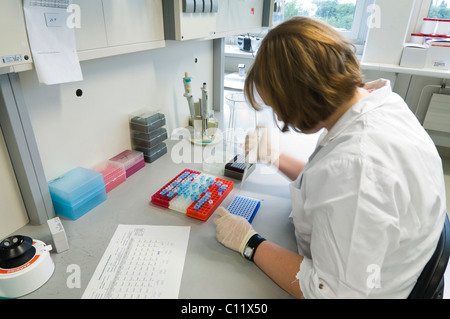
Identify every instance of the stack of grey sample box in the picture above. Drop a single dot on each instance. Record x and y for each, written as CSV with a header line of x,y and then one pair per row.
x,y
148,135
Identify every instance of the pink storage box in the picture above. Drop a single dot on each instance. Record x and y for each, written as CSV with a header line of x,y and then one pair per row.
x,y
130,161
112,175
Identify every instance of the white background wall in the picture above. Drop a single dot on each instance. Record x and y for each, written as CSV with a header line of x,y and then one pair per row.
x,y
83,131
12,210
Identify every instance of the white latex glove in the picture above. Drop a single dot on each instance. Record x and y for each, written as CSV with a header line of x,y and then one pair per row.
x,y
258,142
232,231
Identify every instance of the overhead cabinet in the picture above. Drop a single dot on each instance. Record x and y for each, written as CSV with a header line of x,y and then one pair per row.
x,y
15,54
112,27
244,16
106,28
190,19
210,19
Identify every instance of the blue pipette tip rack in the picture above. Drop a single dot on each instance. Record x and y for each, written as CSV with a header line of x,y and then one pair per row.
x,y
244,206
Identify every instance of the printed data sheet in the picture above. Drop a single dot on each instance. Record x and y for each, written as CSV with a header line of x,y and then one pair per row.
x,y
141,262
51,34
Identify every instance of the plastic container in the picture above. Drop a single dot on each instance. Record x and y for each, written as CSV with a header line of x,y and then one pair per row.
x,y
160,198
206,210
80,208
113,176
434,37
429,26
414,56
130,161
147,121
243,118
443,27
244,206
241,70
149,140
154,153
438,55
209,195
417,38
215,164
77,192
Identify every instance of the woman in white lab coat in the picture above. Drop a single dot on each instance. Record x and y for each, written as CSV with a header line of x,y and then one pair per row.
x,y
369,205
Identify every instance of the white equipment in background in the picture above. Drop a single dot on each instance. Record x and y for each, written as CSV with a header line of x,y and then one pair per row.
x,y
25,265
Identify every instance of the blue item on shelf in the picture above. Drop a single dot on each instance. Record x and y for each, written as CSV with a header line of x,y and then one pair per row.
x,y
77,192
244,206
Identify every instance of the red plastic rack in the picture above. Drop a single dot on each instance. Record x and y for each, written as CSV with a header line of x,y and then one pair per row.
x,y
163,200
206,210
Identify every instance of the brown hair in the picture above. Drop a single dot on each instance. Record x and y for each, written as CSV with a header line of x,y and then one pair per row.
x,y
304,70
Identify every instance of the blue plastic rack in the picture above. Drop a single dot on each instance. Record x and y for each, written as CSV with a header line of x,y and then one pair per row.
x,y
244,206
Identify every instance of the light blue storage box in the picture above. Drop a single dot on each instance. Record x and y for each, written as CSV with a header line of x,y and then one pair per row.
x,y
77,192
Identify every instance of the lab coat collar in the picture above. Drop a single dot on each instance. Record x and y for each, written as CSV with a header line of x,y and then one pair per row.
x,y
380,91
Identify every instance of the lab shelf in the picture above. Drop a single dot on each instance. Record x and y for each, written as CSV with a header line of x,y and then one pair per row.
x,y
442,74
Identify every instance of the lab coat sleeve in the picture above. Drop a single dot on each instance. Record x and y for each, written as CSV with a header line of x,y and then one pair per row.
x,y
354,226
311,285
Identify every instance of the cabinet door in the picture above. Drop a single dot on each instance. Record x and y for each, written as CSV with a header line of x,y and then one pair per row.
x,y
222,17
244,15
194,25
92,33
12,210
14,48
133,21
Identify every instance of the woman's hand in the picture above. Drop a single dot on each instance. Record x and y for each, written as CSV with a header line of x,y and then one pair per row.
x,y
259,146
232,231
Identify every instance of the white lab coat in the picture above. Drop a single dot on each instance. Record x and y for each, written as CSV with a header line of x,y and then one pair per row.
x,y
369,206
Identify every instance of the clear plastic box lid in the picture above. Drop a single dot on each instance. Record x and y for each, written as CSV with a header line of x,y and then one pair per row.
x,y
83,200
127,159
147,119
152,136
145,116
75,184
110,172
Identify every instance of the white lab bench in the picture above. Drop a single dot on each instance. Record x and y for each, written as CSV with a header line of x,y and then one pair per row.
x,y
234,56
210,271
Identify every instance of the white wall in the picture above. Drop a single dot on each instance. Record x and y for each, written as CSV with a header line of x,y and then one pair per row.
x,y
83,131
12,210
385,43
385,46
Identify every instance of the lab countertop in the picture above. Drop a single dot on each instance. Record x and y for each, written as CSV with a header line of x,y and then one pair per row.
x,y
234,51
210,271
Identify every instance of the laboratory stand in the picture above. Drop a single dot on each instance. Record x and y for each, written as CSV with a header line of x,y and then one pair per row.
x,y
202,117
